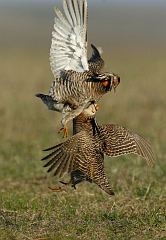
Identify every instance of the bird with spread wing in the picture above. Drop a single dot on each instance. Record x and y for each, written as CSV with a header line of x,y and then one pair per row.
x,y
82,155
78,81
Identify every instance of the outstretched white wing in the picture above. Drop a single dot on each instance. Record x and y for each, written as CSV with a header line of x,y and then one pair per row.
x,y
69,38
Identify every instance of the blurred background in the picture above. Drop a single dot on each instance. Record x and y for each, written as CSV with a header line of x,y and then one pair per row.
x,y
133,38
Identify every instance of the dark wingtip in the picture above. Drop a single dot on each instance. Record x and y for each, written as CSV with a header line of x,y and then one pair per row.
x,y
45,158
39,95
51,148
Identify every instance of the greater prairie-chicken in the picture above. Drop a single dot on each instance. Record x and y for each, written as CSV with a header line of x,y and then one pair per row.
x,y
78,81
82,155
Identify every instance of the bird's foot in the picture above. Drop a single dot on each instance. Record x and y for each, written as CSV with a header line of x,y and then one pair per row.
x,y
65,182
58,189
68,183
65,132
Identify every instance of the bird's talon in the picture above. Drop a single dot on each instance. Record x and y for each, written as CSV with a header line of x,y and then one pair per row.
x,y
64,183
58,189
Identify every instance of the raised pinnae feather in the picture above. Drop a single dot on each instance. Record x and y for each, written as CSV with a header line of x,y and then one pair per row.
x,y
96,63
96,53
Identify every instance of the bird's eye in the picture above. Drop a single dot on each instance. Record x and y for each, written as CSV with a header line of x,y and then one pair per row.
x,y
106,83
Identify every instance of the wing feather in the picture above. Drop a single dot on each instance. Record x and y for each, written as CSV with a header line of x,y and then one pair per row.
x,y
56,163
79,153
77,12
118,141
67,9
64,154
69,38
144,149
62,19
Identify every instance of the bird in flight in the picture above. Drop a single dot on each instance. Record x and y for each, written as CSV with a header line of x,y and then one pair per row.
x,y
78,82
82,155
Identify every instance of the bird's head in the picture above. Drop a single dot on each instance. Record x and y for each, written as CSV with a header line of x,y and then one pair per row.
x,y
109,80
91,110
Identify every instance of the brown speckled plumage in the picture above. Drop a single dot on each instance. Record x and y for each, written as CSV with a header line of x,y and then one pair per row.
x,y
82,155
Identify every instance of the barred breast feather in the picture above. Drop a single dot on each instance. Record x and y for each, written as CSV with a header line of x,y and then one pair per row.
x,y
76,86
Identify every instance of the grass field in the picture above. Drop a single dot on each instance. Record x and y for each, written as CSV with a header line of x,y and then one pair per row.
x,y
28,210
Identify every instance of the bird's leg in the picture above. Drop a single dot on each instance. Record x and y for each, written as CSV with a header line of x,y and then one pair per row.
x,y
76,177
66,111
72,182
65,131
65,183
67,116
58,189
